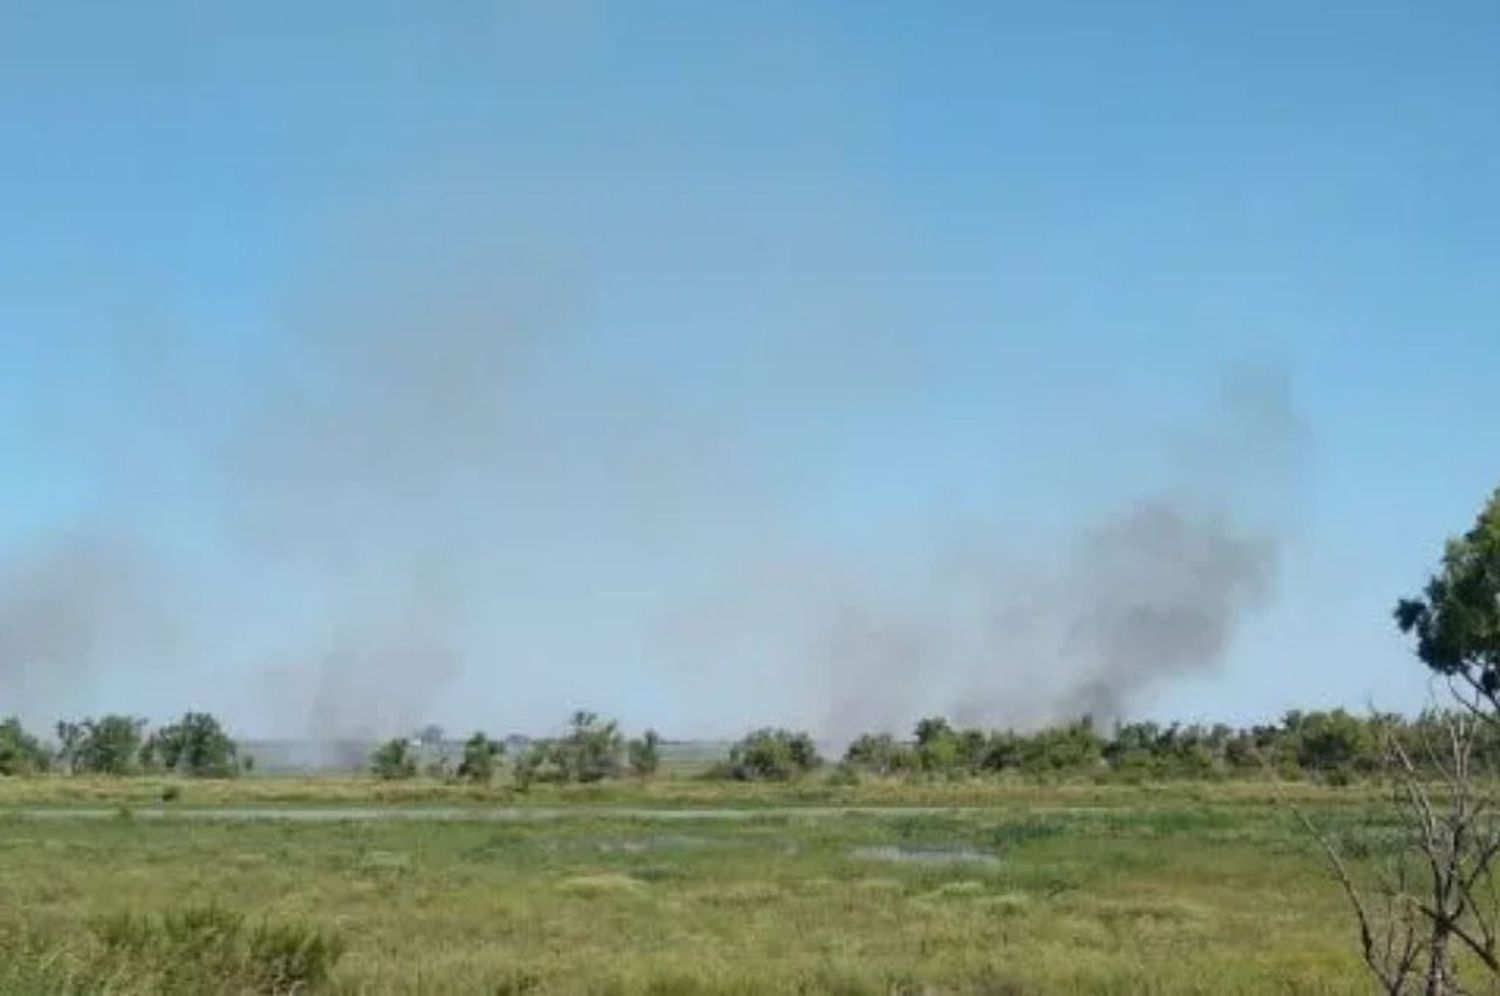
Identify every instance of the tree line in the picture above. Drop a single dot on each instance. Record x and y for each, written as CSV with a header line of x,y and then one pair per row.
x,y
1330,746
195,745
1333,746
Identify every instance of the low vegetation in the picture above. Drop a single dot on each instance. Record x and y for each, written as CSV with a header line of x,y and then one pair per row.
x,y
1065,889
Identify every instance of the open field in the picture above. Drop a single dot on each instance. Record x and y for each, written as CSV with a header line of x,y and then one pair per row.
x,y
669,792
1075,888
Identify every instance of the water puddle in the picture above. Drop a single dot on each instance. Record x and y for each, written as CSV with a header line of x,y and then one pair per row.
x,y
893,854
645,845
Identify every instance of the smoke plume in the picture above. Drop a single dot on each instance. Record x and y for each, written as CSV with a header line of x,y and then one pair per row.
x,y
1148,592
71,605
436,493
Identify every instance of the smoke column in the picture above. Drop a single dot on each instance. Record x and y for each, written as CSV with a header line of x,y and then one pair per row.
x,y
437,489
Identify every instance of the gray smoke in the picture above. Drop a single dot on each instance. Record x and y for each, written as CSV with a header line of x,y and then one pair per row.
x,y
1153,591
70,605
434,488
372,477
1161,592
426,451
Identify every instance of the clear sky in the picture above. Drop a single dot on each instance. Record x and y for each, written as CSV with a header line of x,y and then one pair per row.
x,y
551,335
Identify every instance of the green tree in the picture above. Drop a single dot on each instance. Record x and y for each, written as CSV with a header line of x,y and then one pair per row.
x,y
644,754
1456,618
109,745
480,757
195,745
590,751
529,762
1335,744
69,738
20,752
393,760
1431,912
772,755
879,753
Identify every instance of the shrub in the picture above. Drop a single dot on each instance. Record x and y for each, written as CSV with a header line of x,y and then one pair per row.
x,y
880,754
393,760
20,752
528,764
590,751
110,745
195,745
209,949
645,754
480,756
772,755
292,957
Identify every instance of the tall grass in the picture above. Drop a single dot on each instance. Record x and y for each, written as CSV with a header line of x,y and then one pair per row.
x,y
1084,890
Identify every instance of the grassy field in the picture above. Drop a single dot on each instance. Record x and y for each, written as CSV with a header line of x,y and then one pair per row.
x,y
1081,888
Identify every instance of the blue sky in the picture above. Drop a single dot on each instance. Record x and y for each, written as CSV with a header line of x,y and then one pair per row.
x,y
812,293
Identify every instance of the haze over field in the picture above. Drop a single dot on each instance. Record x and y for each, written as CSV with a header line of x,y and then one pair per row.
x,y
361,368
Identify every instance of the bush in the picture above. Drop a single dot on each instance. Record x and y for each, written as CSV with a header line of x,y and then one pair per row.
x,y
590,751
292,957
879,754
210,949
528,765
393,760
196,746
110,745
480,756
20,752
772,755
645,754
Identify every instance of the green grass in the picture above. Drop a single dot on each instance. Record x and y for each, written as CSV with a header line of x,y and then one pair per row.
x,y
662,792
1186,889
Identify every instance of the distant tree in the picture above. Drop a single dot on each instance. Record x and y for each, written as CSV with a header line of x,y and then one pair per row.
x,y
971,746
937,745
195,745
20,752
645,754
931,729
393,760
591,749
431,734
529,762
772,755
480,757
110,745
1335,744
879,754
69,738
1073,747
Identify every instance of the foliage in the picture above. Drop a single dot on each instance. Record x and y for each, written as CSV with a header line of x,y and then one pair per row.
x,y
1456,618
20,752
393,760
1332,746
528,764
480,757
880,754
644,754
772,755
1425,904
195,745
208,948
591,750
110,745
